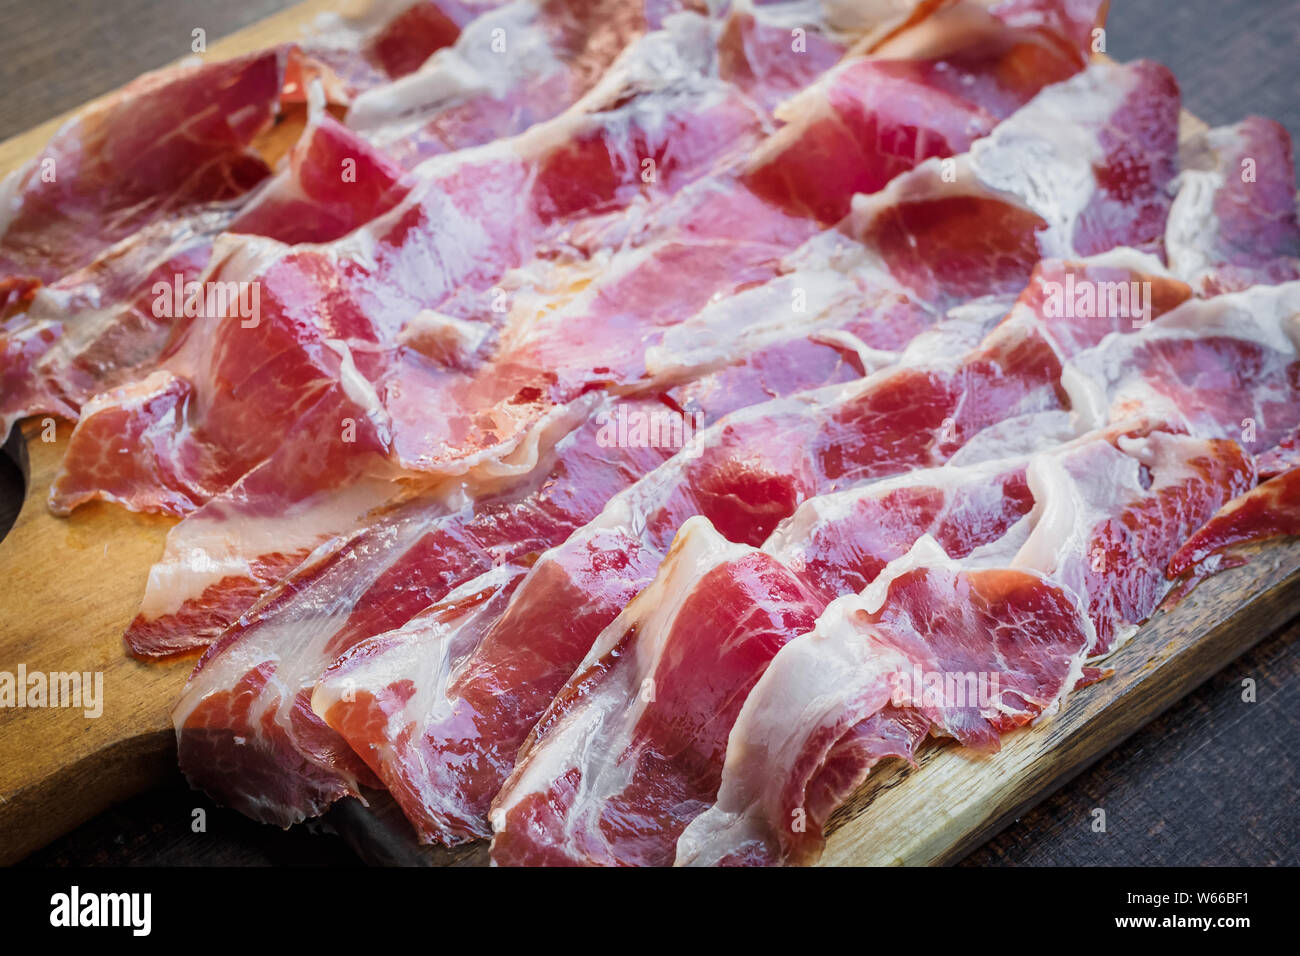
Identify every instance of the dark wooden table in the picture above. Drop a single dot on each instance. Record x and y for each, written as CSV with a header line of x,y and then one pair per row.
x,y
1213,781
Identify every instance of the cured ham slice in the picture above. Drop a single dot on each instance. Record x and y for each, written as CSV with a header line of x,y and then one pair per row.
x,y
925,93
169,141
390,40
1269,510
757,41
515,66
121,188
112,321
860,681
334,183
1233,222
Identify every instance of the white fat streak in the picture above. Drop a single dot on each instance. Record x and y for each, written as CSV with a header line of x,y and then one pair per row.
x,y
958,332
520,455
755,318
1192,228
594,733
1102,382
1045,152
442,337
424,650
806,686
467,67
359,388
1062,518
1017,435
217,542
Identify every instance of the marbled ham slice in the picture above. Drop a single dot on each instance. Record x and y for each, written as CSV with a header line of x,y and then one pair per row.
x,y
390,39
118,191
1269,510
169,141
113,329
514,66
1233,222
863,682
925,93
95,328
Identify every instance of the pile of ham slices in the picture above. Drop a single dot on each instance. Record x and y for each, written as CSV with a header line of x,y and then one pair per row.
x,y
978,362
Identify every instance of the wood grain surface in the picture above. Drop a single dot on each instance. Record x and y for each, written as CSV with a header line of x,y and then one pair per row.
x,y
1168,659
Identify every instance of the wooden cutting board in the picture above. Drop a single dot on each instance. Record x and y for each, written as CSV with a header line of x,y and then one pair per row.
x,y
68,588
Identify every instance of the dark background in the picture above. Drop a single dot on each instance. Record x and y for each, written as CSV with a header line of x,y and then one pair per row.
x,y
1213,781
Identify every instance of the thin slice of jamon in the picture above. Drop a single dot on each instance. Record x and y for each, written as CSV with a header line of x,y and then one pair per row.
x,y
1233,223
337,315
926,92
1037,155
110,322
1223,367
510,68
1269,510
968,648
165,143
390,39
236,711
774,50
115,192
